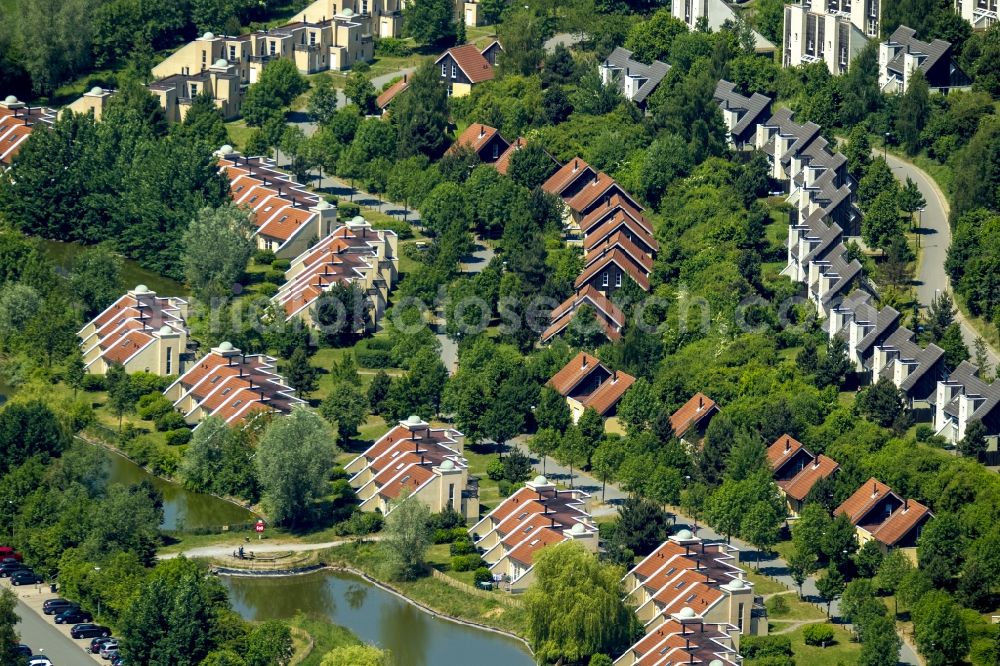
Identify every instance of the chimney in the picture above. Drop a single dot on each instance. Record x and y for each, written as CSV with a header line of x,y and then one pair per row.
x,y
614,376
788,444
584,364
906,505
482,131
701,402
874,488
576,165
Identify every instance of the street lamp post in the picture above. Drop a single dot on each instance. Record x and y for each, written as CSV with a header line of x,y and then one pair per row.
x,y
98,570
885,147
920,224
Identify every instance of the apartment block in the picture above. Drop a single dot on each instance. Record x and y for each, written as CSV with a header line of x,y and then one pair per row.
x,y
233,386
416,462
981,14
17,121
176,93
141,332
817,34
354,254
534,517
714,14
384,18
288,217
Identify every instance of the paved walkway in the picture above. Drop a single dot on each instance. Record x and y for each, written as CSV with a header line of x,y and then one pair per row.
x,y
935,239
254,546
769,564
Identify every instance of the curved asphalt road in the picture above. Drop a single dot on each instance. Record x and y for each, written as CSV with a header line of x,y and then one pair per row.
x,y
935,239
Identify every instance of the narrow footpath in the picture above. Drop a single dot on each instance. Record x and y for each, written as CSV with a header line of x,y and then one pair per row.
x,y
768,565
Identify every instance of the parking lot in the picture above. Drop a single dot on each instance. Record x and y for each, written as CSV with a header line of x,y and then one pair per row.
x,y
42,634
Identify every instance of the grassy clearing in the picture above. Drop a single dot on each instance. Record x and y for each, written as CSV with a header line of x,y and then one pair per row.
x,y
764,585
239,133
843,651
320,637
432,593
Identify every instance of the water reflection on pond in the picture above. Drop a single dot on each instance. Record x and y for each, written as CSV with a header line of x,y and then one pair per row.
x,y
375,616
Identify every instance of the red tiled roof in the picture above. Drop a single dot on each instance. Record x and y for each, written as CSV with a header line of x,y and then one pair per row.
x,y
503,163
643,261
821,468
622,260
901,522
471,61
566,175
475,136
525,551
583,200
390,93
858,504
693,411
653,562
415,477
285,223
127,347
609,392
574,372
615,204
614,224
781,450
611,318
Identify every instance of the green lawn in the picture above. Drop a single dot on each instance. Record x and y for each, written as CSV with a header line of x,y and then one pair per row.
x,y
764,585
843,651
238,134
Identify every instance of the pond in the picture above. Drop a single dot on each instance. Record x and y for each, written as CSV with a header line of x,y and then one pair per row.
x,y
182,508
62,254
414,637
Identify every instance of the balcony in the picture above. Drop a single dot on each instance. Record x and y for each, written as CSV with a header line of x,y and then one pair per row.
x,y
262,58
308,48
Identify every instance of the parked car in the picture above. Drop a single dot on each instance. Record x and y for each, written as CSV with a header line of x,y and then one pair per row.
x,y
7,551
40,660
110,650
10,567
88,630
56,606
97,643
23,650
118,661
74,616
25,577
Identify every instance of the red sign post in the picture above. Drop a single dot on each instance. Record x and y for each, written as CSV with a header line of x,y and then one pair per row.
x,y
260,529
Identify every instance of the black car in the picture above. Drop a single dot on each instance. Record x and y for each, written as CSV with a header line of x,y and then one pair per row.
x,y
88,630
23,650
74,616
97,643
56,606
8,568
25,577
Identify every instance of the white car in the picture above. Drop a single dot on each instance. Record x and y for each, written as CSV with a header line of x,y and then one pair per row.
x,y
40,660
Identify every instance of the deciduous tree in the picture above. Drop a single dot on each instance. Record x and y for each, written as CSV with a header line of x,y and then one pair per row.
x,y
407,538
217,247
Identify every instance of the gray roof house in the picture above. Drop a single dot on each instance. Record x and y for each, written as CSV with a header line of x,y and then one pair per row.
x,y
636,80
862,326
740,113
963,398
913,369
902,54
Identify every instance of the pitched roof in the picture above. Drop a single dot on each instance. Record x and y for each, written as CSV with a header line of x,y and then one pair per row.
x,y
475,136
591,193
618,257
503,164
801,484
782,450
389,94
906,37
574,372
621,241
609,392
653,73
901,522
611,318
468,58
748,109
615,222
693,411
566,175
863,499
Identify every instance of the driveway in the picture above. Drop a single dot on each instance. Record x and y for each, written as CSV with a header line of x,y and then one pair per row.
x,y
935,239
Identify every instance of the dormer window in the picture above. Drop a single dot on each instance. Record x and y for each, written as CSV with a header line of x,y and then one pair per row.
x,y
237,404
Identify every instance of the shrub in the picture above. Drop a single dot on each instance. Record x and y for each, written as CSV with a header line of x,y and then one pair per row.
x,y
267,289
495,469
263,257
372,358
462,547
347,209
777,605
754,647
447,519
271,275
147,382
81,415
94,383
507,488
152,406
924,432
818,634
466,562
178,436
402,229
361,523
482,575
164,462
389,46
281,264
170,421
